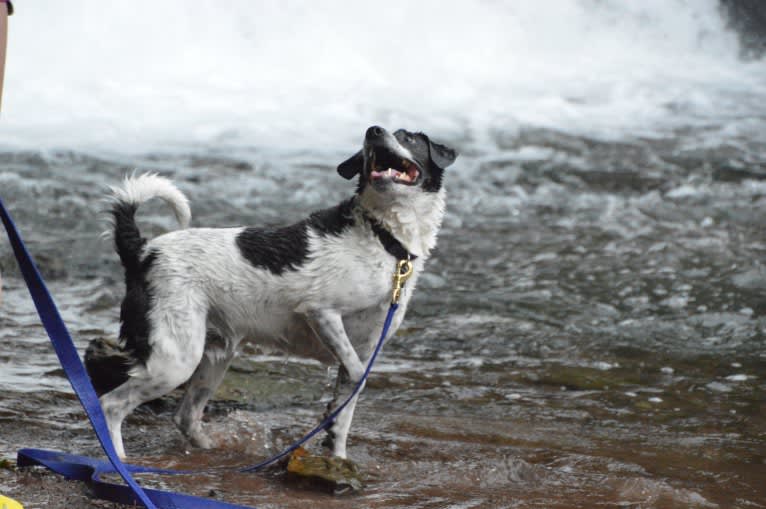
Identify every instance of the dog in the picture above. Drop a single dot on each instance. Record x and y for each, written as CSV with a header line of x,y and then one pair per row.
x,y
319,288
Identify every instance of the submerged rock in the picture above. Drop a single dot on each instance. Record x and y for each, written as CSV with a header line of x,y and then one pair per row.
x,y
338,474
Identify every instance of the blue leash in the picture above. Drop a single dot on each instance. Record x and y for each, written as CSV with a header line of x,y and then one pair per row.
x,y
88,469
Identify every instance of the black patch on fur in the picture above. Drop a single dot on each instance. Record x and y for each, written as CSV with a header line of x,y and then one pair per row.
x,y
275,249
108,364
434,182
134,312
282,249
335,220
127,238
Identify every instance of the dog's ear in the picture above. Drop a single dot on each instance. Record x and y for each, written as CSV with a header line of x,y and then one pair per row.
x,y
441,155
349,168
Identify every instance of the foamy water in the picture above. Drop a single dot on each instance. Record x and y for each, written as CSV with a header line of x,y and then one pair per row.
x,y
591,320
177,74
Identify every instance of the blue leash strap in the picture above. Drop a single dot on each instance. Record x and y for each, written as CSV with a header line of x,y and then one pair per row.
x,y
84,468
67,353
328,421
89,469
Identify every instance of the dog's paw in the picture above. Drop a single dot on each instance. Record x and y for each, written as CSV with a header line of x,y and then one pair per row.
x,y
201,439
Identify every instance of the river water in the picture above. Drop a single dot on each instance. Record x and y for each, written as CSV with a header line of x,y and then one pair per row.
x,y
591,330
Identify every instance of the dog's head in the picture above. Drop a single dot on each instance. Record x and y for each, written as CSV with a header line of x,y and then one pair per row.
x,y
398,162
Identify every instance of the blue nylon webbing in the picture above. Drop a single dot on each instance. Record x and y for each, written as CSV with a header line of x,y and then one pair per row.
x,y
67,353
88,469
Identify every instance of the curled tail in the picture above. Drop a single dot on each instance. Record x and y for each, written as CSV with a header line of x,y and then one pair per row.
x,y
108,363
126,199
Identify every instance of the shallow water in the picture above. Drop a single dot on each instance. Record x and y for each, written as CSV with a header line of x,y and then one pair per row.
x,y
590,330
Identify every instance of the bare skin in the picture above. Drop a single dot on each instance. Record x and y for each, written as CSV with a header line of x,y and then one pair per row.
x,y
3,46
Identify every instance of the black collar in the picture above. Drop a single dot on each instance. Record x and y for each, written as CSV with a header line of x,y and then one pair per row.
x,y
390,243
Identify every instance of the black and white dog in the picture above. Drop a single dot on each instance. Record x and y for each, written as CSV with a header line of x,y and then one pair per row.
x,y
319,288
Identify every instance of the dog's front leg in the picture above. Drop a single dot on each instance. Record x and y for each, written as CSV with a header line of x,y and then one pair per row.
x,y
337,434
328,326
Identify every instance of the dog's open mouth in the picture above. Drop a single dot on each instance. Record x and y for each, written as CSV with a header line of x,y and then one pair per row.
x,y
387,166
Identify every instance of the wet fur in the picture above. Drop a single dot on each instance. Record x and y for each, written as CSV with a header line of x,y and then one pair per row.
x,y
318,288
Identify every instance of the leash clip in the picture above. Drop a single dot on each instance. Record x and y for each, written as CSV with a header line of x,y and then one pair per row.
x,y
402,274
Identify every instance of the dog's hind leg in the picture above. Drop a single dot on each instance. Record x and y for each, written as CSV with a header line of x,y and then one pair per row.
x,y
201,387
178,341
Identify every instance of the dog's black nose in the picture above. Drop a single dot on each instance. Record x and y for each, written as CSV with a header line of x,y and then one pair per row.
x,y
374,132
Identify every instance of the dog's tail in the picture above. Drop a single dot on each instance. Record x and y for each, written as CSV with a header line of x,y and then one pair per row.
x,y
109,364
125,202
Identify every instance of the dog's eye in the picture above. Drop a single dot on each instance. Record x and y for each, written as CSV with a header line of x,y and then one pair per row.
x,y
409,139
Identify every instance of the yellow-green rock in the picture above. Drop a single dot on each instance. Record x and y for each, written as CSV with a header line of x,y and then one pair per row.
x,y
336,471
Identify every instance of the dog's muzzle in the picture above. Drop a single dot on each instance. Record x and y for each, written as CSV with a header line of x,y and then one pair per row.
x,y
387,160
